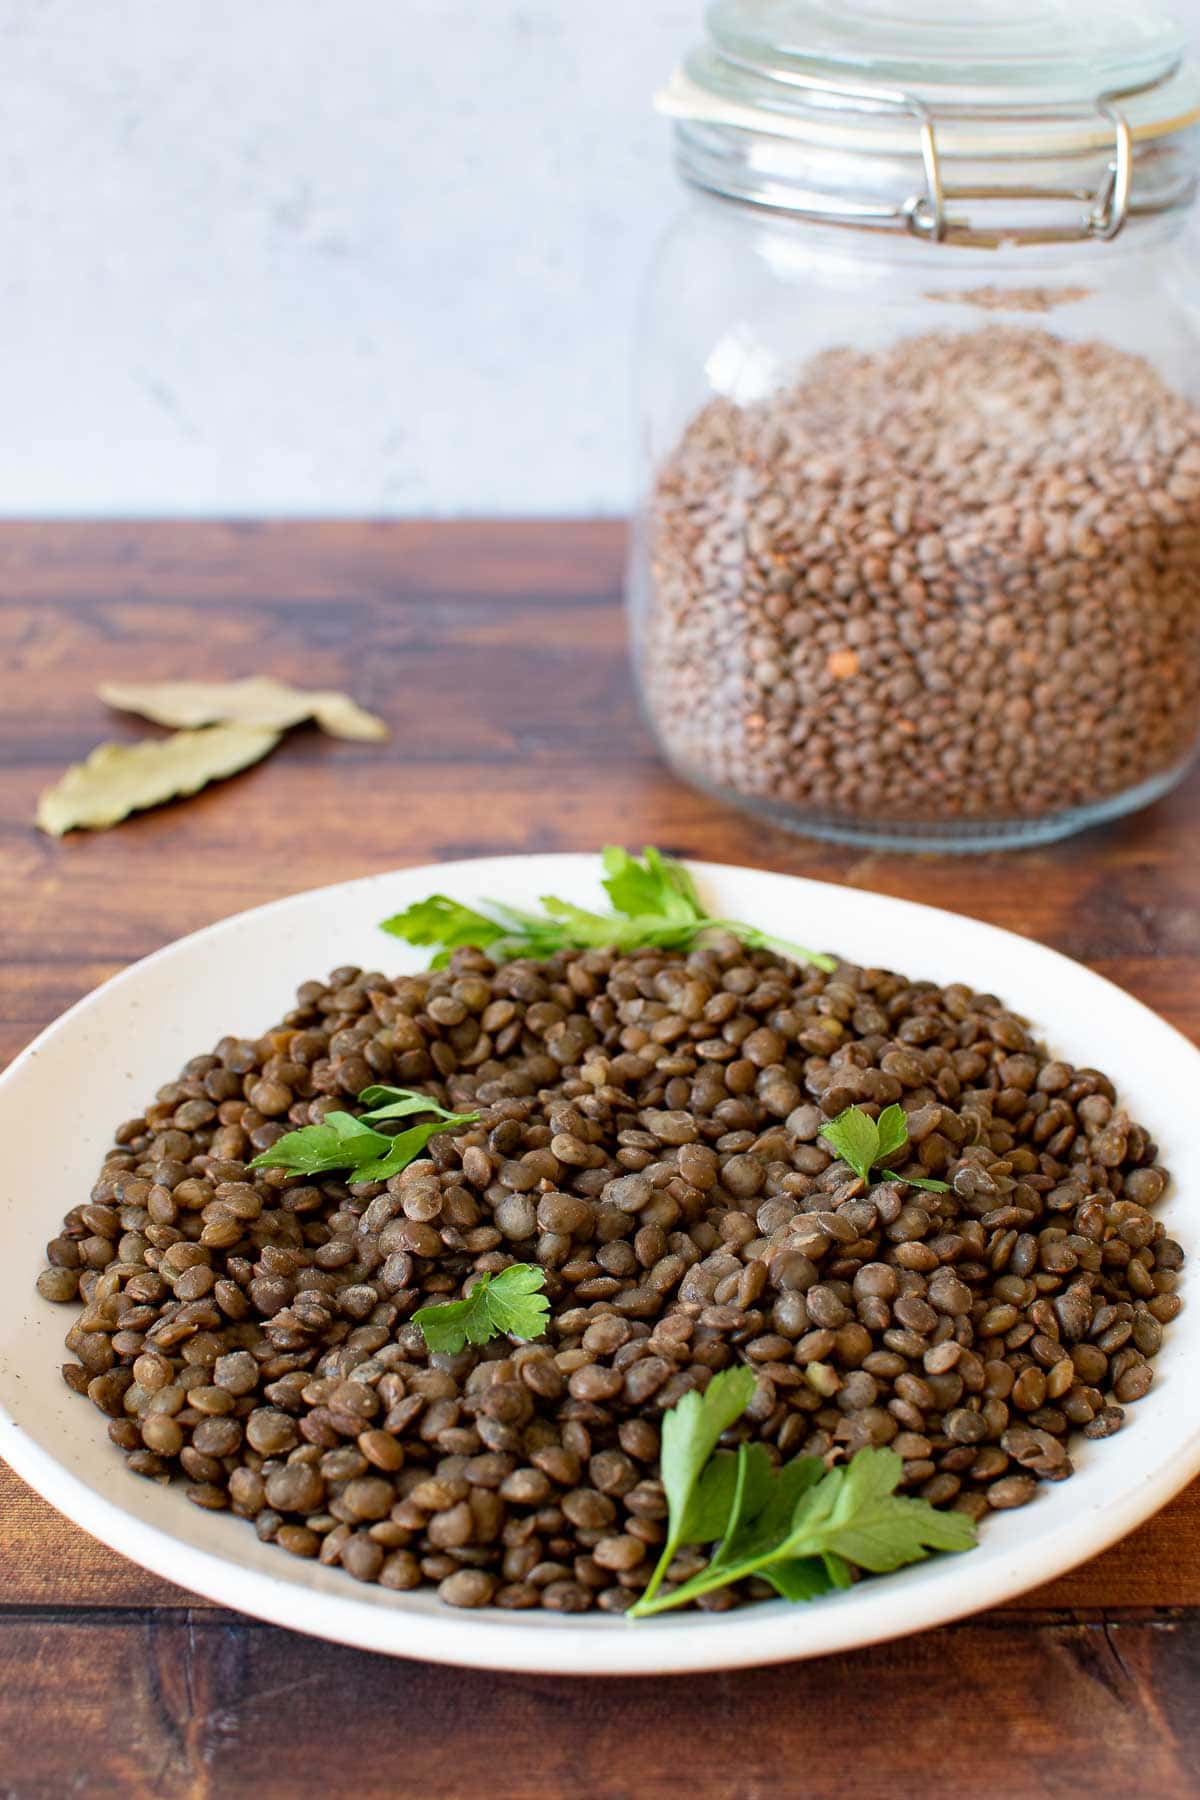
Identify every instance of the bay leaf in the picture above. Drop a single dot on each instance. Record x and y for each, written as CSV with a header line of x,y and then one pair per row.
x,y
258,700
118,779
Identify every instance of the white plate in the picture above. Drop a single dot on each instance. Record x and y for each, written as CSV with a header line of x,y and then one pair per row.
x,y
60,1101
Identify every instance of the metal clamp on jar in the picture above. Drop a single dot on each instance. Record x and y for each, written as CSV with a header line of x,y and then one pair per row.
x,y
918,560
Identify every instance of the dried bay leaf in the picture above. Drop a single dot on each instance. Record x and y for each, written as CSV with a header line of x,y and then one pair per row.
x,y
258,700
118,779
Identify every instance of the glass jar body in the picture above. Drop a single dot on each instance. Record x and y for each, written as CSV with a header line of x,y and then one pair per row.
x,y
917,559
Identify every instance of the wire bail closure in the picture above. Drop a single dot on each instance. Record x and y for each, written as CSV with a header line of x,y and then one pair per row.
x,y
930,216
926,214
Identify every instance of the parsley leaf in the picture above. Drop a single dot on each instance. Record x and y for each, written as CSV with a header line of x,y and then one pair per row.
x,y
708,1510
689,1436
799,1578
396,1153
397,1103
854,1137
767,1500
342,1142
855,1513
658,885
929,1182
891,1131
655,902
802,1528
511,1302
864,1142
339,1142
444,922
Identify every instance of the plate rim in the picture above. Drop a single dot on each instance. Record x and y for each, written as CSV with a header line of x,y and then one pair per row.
x,y
525,1643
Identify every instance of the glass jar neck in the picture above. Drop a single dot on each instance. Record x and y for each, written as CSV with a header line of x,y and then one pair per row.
x,y
881,265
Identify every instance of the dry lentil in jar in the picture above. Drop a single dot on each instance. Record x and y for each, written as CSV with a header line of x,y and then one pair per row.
x,y
954,580
650,1134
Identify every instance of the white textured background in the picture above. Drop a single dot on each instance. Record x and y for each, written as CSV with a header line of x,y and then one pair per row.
x,y
326,256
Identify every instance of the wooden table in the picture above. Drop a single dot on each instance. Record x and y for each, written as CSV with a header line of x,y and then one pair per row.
x,y
496,652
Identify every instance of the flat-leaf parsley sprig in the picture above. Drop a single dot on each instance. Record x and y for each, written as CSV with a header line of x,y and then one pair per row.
x,y
343,1142
866,1143
512,1301
655,903
802,1528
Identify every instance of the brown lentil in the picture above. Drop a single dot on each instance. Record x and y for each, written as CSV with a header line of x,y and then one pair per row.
x,y
955,580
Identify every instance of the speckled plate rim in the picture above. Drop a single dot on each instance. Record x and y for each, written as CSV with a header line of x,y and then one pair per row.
x,y
116,1045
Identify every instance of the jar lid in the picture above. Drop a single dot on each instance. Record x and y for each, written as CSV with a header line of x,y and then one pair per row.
x,y
1003,51
965,82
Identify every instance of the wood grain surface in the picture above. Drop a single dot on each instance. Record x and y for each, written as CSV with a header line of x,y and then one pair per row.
x,y
497,655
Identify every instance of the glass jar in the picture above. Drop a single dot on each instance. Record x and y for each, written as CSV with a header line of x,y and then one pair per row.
x,y
917,560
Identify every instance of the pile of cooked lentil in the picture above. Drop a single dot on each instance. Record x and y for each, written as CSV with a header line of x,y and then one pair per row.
x,y
650,1135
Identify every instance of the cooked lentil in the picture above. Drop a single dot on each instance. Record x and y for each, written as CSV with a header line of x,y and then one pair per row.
x,y
694,1221
955,580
